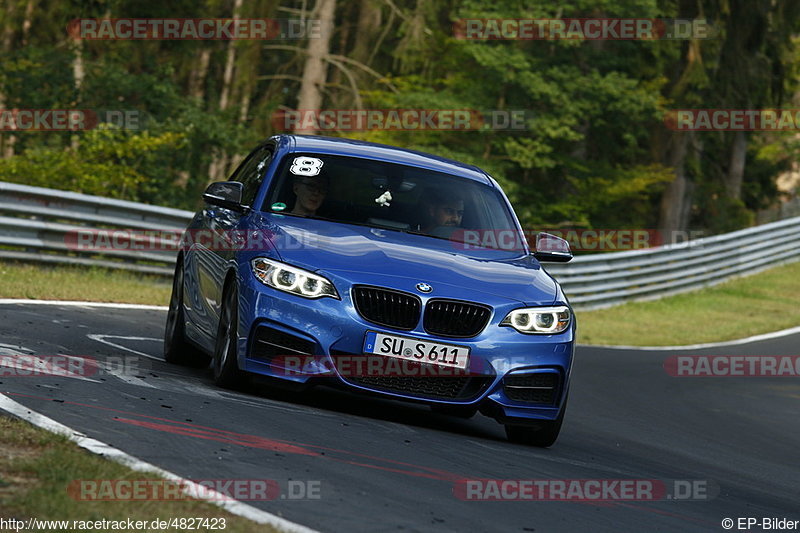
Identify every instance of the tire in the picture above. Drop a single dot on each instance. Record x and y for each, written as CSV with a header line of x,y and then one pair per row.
x,y
543,436
224,366
177,350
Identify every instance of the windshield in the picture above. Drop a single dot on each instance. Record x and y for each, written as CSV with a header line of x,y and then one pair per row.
x,y
386,195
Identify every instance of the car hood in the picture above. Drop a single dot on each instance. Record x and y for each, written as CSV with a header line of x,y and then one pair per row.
x,y
325,246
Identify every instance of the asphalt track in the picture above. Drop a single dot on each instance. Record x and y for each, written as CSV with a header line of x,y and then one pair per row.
x,y
389,466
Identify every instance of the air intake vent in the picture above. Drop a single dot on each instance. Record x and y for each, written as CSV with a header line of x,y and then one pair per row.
x,y
269,343
539,388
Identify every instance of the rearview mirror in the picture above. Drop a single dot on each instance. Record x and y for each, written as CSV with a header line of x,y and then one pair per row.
x,y
227,194
551,248
395,185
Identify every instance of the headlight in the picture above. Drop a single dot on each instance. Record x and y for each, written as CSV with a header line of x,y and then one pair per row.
x,y
292,279
543,320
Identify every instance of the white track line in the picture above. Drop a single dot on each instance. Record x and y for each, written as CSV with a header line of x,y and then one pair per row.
x,y
4,301
232,506
32,365
747,340
755,338
42,366
102,338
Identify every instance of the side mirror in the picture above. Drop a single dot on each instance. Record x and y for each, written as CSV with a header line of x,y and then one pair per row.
x,y
227,194
551,248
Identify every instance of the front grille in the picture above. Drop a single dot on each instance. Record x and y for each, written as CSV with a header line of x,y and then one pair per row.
x,y
540,387
269,343
453,318
445,388
386,307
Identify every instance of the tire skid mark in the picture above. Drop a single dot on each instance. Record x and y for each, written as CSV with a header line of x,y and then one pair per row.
x,y
209,433
252,441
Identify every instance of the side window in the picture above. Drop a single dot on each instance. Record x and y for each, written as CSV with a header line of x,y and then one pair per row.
x,y
241,170
251,172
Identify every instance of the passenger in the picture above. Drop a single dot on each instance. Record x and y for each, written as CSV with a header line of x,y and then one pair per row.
x,y
311,193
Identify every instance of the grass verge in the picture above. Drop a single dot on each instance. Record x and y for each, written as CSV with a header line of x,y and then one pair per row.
x,y
37,467
81,283
739,308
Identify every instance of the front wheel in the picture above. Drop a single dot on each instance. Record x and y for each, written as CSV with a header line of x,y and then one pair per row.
x,y
224,366
177,349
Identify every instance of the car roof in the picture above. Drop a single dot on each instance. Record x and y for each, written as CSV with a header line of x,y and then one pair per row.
x,y
354,148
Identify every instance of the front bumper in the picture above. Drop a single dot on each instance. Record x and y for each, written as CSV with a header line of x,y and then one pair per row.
x,y
512,377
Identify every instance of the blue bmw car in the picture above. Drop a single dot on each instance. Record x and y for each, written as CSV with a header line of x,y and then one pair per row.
x,y
382,270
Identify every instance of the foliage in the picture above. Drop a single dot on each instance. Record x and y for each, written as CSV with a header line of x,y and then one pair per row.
x,y
108,162
594,150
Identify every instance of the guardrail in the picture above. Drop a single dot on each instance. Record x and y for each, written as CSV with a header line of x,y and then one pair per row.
x,y
36,222
604,280
41,219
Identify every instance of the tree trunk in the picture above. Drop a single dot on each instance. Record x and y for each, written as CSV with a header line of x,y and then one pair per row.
x,y
735,176
340,99
367,29
26,22
78,74
8,26
230,60
78,69
7,143
198,75
365,37
316,68
244,105
676,199
216,170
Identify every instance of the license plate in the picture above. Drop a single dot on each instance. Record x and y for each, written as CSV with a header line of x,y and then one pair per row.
x,y
411,349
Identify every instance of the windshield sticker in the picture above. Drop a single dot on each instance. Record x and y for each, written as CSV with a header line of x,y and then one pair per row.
x,y
278,206
306,166
384,199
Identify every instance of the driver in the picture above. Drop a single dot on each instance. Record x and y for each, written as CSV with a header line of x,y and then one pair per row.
x,y
443,210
